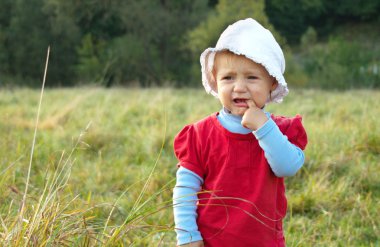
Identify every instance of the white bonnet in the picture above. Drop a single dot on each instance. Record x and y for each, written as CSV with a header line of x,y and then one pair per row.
x,y
247,37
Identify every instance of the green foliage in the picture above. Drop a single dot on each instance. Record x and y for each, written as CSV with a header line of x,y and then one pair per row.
x,y
292,18
151,42
27,39
27,34
146,50
295,74
126,61
309,38
95,41
342,64
357,9
159,27
99,23
95,182
89,66
65,36
4,29
348,59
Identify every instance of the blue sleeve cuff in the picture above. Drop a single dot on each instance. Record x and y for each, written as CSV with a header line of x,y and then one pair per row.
x,y
265,129
188,237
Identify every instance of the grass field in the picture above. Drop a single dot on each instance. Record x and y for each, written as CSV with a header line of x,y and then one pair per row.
x,y
103,166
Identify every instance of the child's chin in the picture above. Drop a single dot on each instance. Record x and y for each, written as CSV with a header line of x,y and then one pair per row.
x,y
239,113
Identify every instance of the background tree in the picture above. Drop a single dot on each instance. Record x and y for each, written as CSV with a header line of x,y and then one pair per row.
x,y
155,38
152,42
292,18
4,29
65,35
27,39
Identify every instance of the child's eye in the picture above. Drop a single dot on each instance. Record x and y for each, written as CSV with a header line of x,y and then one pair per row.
x,y
227,78
252,77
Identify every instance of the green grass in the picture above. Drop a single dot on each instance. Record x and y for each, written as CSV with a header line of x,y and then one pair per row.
x,y
91,188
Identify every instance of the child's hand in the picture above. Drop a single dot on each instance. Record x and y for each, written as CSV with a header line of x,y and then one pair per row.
x,y
193,244
253,117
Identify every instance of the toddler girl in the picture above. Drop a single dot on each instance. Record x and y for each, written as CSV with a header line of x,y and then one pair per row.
x,y
230,188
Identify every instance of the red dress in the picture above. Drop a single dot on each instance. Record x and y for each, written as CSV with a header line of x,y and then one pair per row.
x,y
242,202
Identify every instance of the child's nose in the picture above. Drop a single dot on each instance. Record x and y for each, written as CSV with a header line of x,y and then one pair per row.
x,y
240,85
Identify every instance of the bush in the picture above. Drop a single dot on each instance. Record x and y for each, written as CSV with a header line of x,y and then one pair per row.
x,y
341,64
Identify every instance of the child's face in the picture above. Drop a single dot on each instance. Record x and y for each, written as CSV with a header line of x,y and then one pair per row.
x,y
239,79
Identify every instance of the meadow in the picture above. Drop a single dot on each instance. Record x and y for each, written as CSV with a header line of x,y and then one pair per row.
x,y
103,168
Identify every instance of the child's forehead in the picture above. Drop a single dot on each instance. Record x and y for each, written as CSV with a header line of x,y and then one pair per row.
x,y
227,54
226,58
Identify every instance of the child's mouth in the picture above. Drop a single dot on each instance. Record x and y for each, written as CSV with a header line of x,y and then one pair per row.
x,y
239,102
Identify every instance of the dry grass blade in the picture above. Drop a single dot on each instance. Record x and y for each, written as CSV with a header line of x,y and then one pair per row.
x,y
21,215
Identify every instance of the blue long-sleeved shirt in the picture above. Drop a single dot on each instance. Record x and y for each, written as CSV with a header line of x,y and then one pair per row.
x,y
284,158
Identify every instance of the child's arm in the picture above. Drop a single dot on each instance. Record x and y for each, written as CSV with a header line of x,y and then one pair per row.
x,y
184,206
284,158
